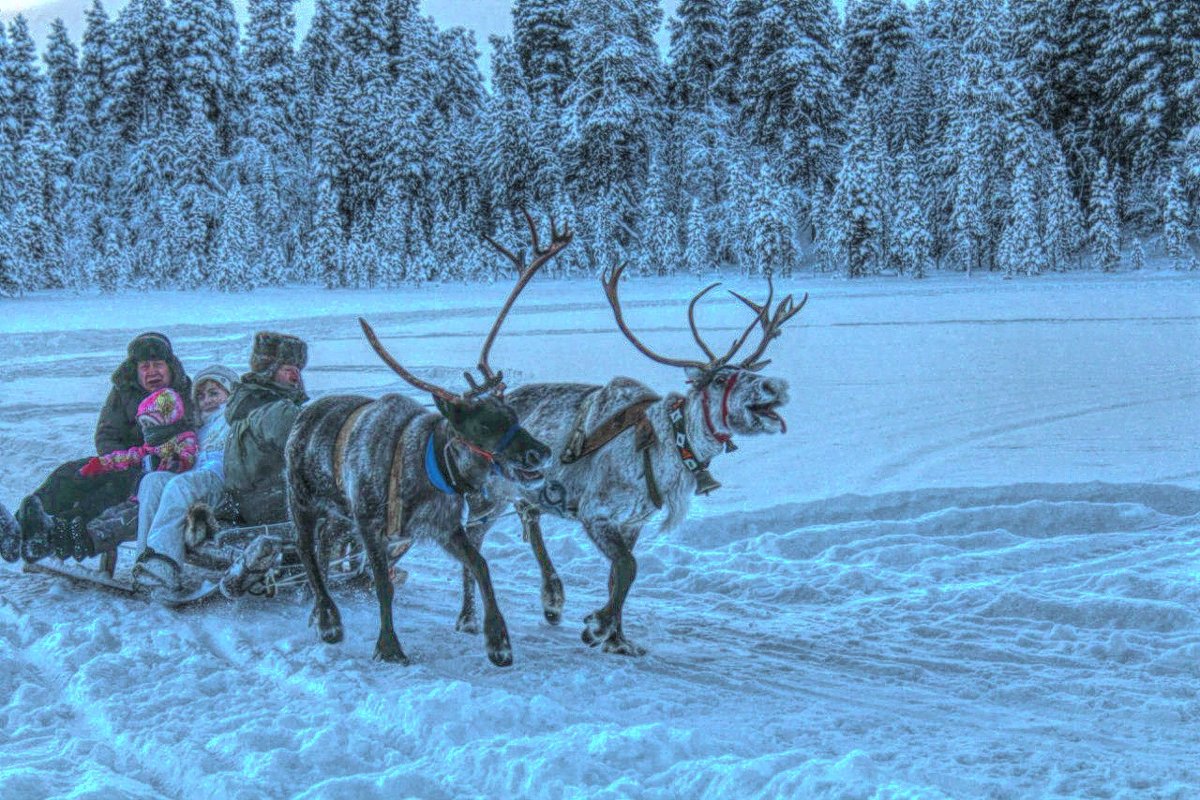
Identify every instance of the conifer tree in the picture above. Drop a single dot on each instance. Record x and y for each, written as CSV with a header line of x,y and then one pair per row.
x,y
1103,228
771,225
62,68
96,65
24,79
1137,257
1064,219
912,240
858,200
1175,221
542,42
696,257
206,55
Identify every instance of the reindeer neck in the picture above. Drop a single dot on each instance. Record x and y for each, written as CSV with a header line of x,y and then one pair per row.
x,y
453,468
704,444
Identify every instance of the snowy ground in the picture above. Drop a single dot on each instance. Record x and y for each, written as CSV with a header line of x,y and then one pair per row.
x,y
970,569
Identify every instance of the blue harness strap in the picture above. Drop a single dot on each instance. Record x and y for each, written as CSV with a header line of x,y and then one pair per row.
x,y
433,471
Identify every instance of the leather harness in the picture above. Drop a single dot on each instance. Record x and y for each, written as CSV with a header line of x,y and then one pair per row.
x,y
395,502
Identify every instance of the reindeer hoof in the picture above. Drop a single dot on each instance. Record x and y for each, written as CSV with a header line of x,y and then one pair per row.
x,y
329,625
554,617
596,629
622,647
467,624
499,648
391,653
501,656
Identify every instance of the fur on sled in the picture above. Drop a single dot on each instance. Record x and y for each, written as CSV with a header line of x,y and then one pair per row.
x,y
199,525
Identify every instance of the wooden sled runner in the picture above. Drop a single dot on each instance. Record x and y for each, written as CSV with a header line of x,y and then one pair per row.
x,y
276,568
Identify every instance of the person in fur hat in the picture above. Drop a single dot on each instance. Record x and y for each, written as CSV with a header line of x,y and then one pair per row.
x,y
67,500
165,500
260,415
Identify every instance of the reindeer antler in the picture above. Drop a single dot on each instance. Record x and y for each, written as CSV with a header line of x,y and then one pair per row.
x,y
771,326
382,352
494,381
610,291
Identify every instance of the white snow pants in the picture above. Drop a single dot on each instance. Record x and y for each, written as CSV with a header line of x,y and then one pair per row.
x,y
163,502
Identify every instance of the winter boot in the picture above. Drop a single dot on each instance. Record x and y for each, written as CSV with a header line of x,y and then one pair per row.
x,y
65,536
249,573
10,536
103,534
37,529
159,573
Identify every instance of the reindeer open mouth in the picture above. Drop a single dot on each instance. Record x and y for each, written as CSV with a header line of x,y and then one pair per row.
x,y
767,415
527,477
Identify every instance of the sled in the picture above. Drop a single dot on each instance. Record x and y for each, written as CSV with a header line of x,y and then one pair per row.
x,y
344,562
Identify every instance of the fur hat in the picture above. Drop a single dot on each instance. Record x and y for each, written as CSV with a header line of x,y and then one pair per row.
x,y
150,346
271,350
217,373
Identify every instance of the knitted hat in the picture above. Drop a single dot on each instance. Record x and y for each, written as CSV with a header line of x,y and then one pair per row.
x,y
217,373
271,350
164,407
150,346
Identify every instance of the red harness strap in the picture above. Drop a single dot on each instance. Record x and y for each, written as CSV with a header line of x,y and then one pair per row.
x,y
722,438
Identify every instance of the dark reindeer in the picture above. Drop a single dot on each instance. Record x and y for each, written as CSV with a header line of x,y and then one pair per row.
x,y
621,453
393,472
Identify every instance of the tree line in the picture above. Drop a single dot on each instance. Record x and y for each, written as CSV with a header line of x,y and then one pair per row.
x,y
171,149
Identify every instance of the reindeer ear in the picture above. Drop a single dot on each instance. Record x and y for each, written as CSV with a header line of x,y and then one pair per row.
x,y
450,409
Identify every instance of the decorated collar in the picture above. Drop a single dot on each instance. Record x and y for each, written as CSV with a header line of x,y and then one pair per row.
x,y
705,482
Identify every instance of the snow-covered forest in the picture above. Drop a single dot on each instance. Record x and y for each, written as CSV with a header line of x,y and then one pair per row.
x,y
168,148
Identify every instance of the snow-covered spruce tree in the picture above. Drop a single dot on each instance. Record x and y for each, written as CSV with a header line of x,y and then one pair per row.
x,y
1035,46
858,201
1148,56
143,71
699,31
542,41
1175,221
11,279
95,65
1022,250
267,160
207,68
1137,256
878,34
197,205
24,80
696,256
326,242
1080,74
658,246
1064,219
237,255
772,245
43,168
698,144
1103,227
911,239
62,68
611,117
783,55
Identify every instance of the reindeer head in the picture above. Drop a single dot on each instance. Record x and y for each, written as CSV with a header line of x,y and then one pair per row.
x,y
732,397
479,416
